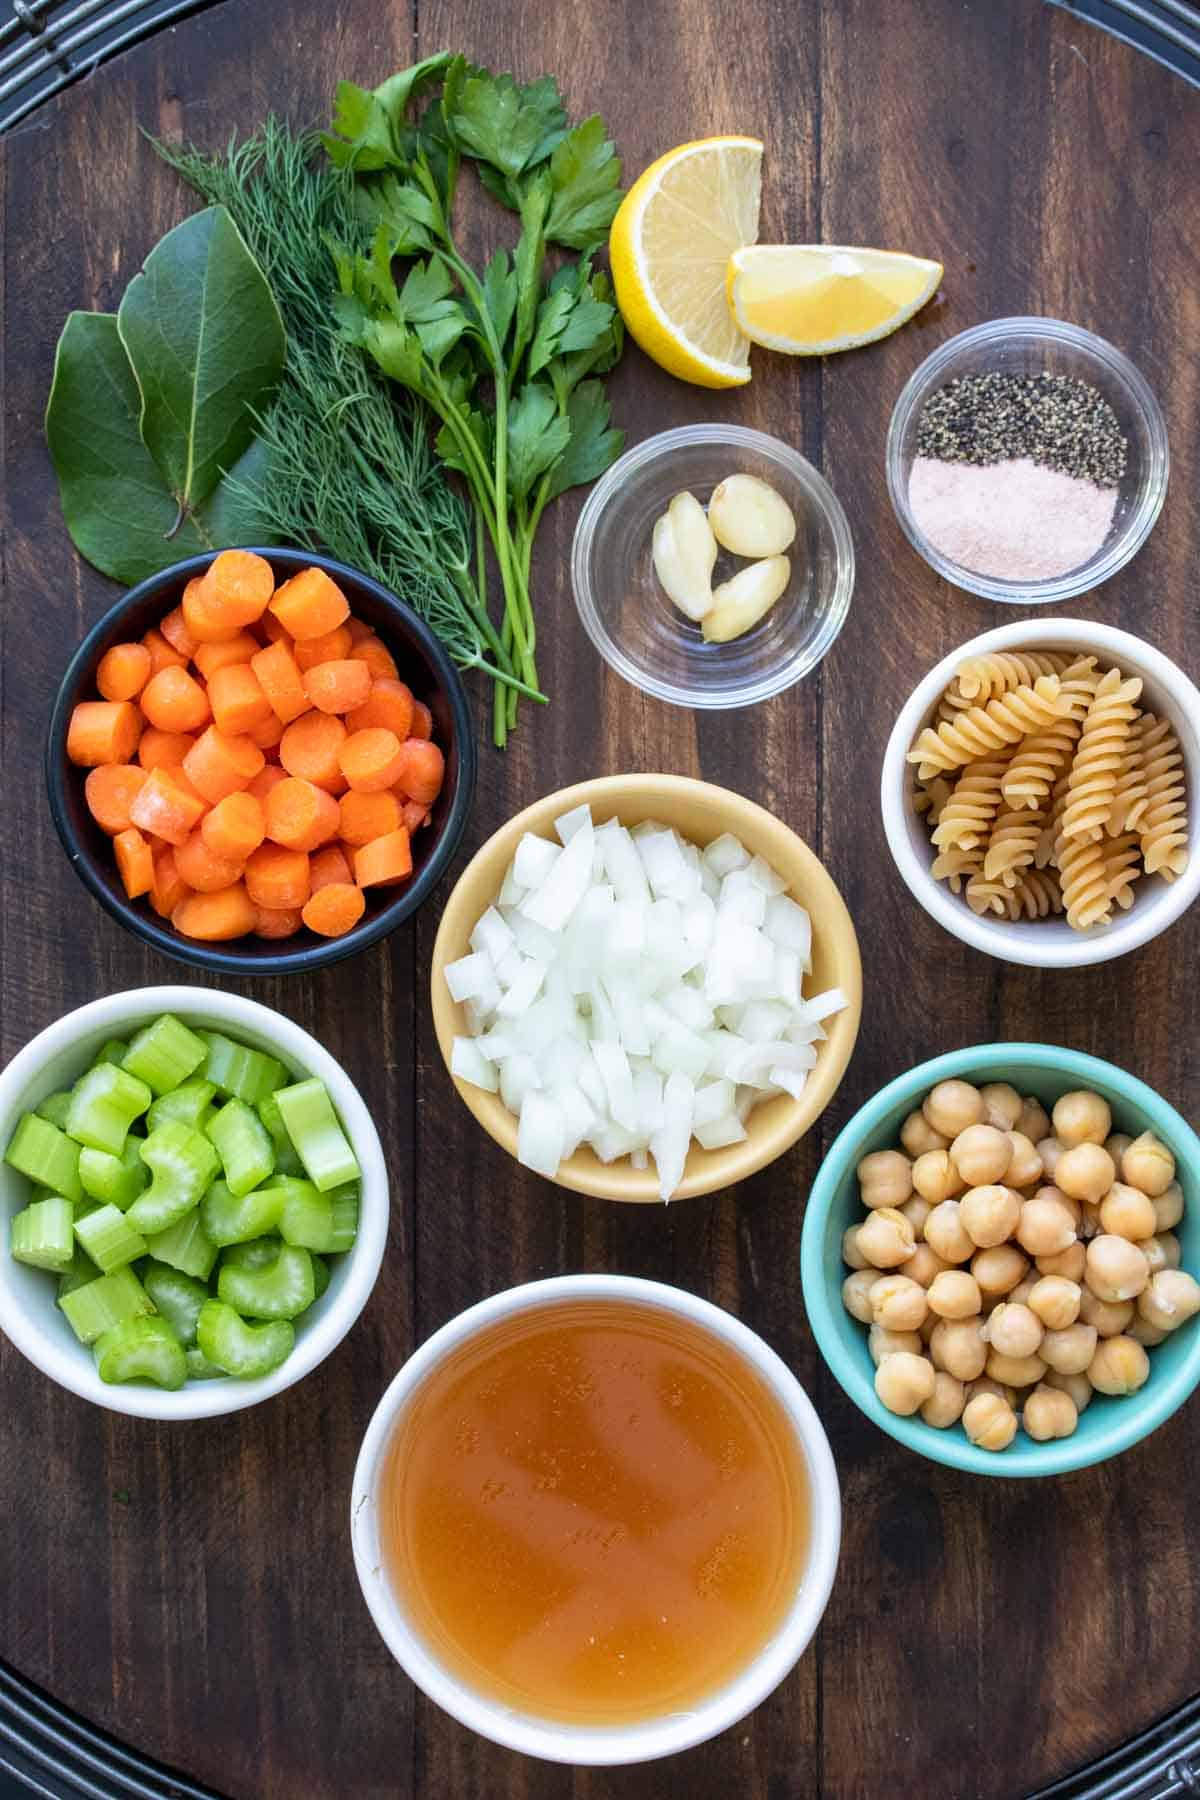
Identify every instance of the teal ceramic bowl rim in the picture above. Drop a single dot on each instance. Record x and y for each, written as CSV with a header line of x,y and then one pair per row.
x,y
822,1284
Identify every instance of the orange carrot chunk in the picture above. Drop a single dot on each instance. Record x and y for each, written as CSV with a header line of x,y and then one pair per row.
x,y
330,864
207,873
278,921
237,587
203,621
277,877
389,704
268,736
123,671
218,765
422,771
334,909
157,748
371,760
269,776
110,791
173,700
337,687
238,702
168,887
281,681
384,860
174,629
215,918
105,731
310,604
301,815
359,629
367,816
332,646
235,826
135,862
164,809
208,658
377,658
309,749
162,656
422,721
415,815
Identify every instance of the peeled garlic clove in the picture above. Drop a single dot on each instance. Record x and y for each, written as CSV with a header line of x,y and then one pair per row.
x,y
745,599
748,517
684,551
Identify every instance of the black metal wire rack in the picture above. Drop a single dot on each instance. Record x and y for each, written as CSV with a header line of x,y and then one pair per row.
x,y
46,44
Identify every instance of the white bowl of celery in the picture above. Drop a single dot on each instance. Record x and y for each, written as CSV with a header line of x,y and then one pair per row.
x,y
195,1202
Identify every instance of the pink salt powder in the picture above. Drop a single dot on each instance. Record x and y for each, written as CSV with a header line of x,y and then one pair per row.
x,y
1014,521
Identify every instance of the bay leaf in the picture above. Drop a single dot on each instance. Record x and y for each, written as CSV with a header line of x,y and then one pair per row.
x,y
206,344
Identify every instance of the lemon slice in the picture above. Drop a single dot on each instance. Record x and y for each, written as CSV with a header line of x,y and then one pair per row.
x,y
811,299
670,246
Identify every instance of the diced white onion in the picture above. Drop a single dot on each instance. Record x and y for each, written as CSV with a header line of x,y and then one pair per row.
x,y
568,823
468,1062
540,1134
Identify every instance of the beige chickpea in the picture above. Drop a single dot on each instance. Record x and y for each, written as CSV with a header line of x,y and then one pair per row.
x,y
1117,1145
1085,1172
886,1238
990,1214
1014,1371
856,1294
905,1382
1078,1386
1048,1413
852,1256
944,1406
924,1265
1046,1224
1050,1150
1068,1352
884,1179
898,1303
917,1135
1170,1298
954,1295
981,1154
1116,1269
927,1327
936,1178
1160,1251
1034,1121
1014,1329
953,1105
1149,1165
883,1343
1023,1288
946,1234
1074,1208
1143,1333
1109,1317
1089,1225
983,1384
1026,1166
957,1346
999,1270
1168,1208
1127,1212
1120,1366
916,1210
1002,1105
1071,1262
1081,1118
989,1422
1055,1300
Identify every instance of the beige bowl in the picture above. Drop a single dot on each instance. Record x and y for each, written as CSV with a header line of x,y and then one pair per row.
x,y
700,812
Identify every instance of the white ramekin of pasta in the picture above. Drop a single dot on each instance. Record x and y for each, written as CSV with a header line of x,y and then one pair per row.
x,y
1041,789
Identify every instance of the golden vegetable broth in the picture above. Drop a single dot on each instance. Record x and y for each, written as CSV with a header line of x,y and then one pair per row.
x,y
595,1512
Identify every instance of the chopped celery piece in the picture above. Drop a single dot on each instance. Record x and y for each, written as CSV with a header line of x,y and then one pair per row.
x,y
109,1238
324,1222
257,1253
343,1202
239,1072
230,1219
141,1349
164,1053
313,1127
240,1349
286,1160
104,1104
320,1276
182,1163
41,1235
185,1246
55,1107
178,1298
115,1180
97,1305
198,1366
111,1051
244,1146
44,1153
283,1290
82,1269
192,1102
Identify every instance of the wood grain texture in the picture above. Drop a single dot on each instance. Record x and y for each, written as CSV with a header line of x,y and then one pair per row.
x,y
191,1588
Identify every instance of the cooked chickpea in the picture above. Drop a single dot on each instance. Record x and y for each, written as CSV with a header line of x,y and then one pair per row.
x,y
1014,1330
1168,1208
954,1295
983,1384
1171,1297
1120,1366
1085,1172
1127,1212
1110,1317
886,1238
953,1105
989,1422
1055,1300
1070,1262
957,1346
1034,1121
883,1343
1149,1165
1015,1371
935,1177
1002,1105
1160,1251
1069,1352
917,1135
999,1270
944,1406
884,1179
905,1382
1045,1225
1089,1225
981,1154
1116,1269
916,1210
852,1256
1117,1145
1049,1413
924,1265
1023,1288
1081,1118
1026,1166
856,1294
1145,1334
1074,1207
1049,1149
1078,1386
898,1303
927,1327
989,1214
946,1234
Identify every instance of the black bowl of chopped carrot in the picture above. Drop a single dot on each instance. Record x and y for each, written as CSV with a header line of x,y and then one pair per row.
x,y
260,761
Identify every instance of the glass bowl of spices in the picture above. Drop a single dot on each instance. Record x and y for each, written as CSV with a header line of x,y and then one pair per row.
x,y
1027,460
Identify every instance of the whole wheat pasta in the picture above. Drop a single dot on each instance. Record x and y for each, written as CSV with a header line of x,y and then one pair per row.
x,y
1100,756
967,816
979,731
1163,827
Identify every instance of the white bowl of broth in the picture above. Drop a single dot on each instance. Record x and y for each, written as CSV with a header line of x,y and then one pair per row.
x,y
596,1519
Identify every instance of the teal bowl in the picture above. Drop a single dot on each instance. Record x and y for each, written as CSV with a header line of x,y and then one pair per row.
x,y
1109,1425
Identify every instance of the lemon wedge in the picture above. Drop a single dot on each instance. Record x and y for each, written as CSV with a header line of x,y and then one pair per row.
x,y
670,246
812,299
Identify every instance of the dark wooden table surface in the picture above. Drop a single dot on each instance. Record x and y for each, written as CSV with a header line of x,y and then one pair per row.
x,y
191,1587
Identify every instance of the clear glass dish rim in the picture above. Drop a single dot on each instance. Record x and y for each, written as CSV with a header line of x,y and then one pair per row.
x,y
1137,527
818,491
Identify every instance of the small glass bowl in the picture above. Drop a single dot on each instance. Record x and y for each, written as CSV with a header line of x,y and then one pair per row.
x,y
628,617
1032,346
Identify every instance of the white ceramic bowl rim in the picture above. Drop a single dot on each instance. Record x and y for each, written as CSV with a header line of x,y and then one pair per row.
x,y
643,1740
71,1364
1045,944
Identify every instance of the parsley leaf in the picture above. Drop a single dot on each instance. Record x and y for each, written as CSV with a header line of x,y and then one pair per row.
x,y
593,444
511,127
586,177
537,437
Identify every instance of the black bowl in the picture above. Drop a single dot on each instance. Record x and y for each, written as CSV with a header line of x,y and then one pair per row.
x,y
423,664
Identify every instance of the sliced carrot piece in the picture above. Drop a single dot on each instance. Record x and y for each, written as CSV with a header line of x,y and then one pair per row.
x,y
338,687
310,604
238,585
367,816
359,629
208,658
301,815
278,921
174,629
330,864
384,860
269,776
332,646
215,918
272,630
371,760
334,909
277,877
202,619
107,731
269,735
235,826
173,700
415,815
422,721
238,702
110,790
309,749
389,704
157,748
378,658
123,671
168,887
422,771
281,681
135,862
220,765
164,809
162,656
201,869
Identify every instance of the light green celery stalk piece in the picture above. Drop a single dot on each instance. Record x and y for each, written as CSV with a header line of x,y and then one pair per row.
x,y
104,1104
109,1239
243,1350
44,1153
315,1130
282,1290
41,1235
164,1053
97,1305
182,1163
141,1349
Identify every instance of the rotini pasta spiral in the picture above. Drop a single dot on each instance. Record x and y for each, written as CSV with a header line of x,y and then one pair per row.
x,y
984,678
967,816
1122,866
958,865
1163,827
1036,894
931,796
1012,845
979,731
1101,754
1081,870
1040,759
